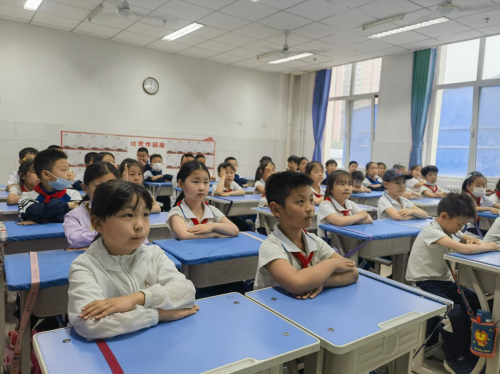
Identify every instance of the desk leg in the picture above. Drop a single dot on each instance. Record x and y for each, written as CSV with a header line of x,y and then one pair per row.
x,y
402,365
493,364
313,363
3,336
25,344
399,267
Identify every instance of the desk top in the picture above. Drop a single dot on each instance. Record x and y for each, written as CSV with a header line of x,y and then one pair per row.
x,y
235,199
248,190
367,195
3,187
8,209
367,308
204,251
378,230
158,219
158,184
426,201
229,330
487,261
4,194
488,215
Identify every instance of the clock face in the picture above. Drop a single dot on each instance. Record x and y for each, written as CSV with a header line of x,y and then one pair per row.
x,y
151,86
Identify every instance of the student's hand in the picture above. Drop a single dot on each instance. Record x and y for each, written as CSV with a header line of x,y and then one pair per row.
x,y
495,211
441,194
201,229
363,214
26,223
311,294
102,308
142,163
343,265
73,205
365,189
245,186
405,212
71,175
407,194
222,175
156,177
226,194
473,241
125,173
489,246
212,178
174,315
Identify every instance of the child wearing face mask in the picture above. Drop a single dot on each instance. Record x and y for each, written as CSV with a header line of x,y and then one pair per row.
x,y
157,173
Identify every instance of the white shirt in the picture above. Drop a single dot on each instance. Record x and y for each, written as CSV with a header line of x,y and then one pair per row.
x,y
262,204
96,275
386,201
494,198
322,192
410,183
16,190
79,177
233,187
13,178
425,188
484,201
260,182
367,183
493,234
211,213
426,257
278,246
333,207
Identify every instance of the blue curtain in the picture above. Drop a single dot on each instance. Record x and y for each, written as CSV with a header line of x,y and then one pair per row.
x,y
320,103
424,63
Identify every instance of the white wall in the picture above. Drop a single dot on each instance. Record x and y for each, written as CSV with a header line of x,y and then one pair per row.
x,y
52,80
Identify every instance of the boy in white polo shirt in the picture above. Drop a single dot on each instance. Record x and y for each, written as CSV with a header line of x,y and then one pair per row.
x,y
429,271
430,188
300,262
227,186
392,204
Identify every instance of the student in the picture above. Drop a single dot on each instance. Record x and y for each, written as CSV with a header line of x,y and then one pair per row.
x,y
493,234
24,155
372,180
416,181
51,199
331,166
302,165
156,171
430,188
357,182
337,209
392,204
186,158
120,285
409,193
263,172
106,157
27,182
315,171
293,163
227,186
201,158
353,166
495,197
130,170
56,147
143,158
192,217
77,227
265,159
302,263
475,186
238,179
382,168
77,182
428,270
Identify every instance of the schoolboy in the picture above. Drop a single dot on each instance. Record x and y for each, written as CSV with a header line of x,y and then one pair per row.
x,y
50,200
357,182
353,166
428,270
382,168
293,163
28,153
300,262
201,158
237,178
156,173
331,166
430,188
227,186
143,158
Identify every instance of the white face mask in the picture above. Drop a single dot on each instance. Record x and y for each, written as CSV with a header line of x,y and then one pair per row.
x,y
157,166
478,192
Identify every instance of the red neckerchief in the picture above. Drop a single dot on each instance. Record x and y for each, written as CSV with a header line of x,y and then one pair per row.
x,y
433,189
230,190
497,192
195,221
317,194
344,212
24,189
56,195
263,195
304,262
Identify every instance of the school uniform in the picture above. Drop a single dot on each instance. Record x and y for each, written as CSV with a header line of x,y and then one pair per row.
x,y
326,179
431,188
386,202
278,246
410,183
240,180
368,182
427,269
232,187
77,182
96,275
78,229
42,206
493,234
321,193
18,189
495,197
210,215
258,183
13,178
149,174
331,206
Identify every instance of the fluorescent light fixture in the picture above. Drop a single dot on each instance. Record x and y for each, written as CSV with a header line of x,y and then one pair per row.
x,y
408,28
384,20
184,31
32,4
291,58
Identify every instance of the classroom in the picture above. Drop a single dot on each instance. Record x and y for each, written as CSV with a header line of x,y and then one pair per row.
x,y
250,186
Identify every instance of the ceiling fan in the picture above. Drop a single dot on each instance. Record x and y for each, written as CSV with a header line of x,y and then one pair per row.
x,y
123,10
286,54
448,8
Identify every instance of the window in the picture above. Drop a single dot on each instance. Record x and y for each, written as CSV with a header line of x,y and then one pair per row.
x,y
351,113
465,130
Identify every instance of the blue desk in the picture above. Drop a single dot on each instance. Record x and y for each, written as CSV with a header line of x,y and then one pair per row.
x,y
248,190
361,326
9,212
36,237
209,262
229,334
235,205
158,229
3,187
388,238
3,195
160,189
367,198
482,273
428,204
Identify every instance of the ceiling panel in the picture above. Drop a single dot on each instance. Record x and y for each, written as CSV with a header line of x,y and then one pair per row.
x,y
316,9
15,12
85,4
63,10
172,47
198,52
224,21
258,31
134,38
51,20
213,45
281,4
95,29
387,8
285,21
315,30
404,38
184,10
249,10
212,4
234,39
348,20
225,58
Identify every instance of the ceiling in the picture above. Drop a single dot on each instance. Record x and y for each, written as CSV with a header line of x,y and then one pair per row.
x,y
236,31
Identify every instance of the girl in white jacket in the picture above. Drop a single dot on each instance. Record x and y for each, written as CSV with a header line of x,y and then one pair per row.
x,y
120,285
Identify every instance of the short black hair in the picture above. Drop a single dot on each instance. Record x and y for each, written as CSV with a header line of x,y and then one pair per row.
x,y
357,176
98,157
156,155
187,155
129,162
331,161
381,163
197,157
310,166
302,159
353,162
457,205
225,165
23,152
279,186
336,177
53,146
429,169
293,158
143,149
89,157
230,158
46,160
413,167
265,159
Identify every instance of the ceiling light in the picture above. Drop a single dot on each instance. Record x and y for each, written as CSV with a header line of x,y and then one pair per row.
x,y
32,4
384,20
448,9
408,28
291,58
184,31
